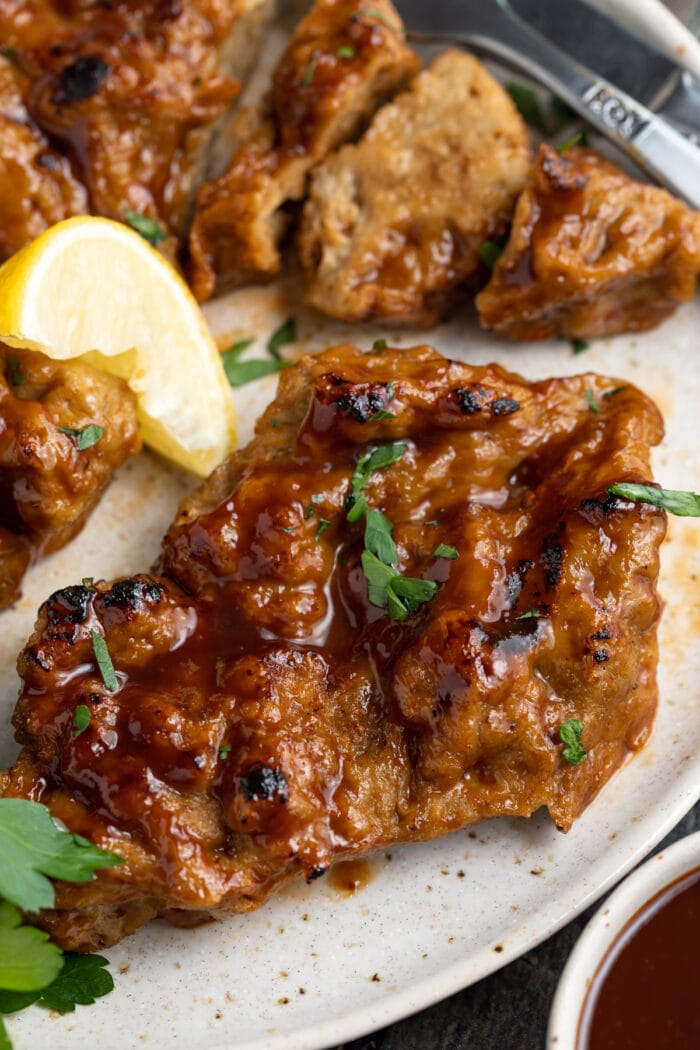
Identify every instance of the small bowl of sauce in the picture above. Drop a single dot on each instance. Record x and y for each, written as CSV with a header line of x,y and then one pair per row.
x,y
633,979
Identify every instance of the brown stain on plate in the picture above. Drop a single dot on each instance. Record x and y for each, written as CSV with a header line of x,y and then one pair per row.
x,y
349,876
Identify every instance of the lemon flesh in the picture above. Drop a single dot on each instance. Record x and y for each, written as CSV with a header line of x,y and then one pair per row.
x,y
95,289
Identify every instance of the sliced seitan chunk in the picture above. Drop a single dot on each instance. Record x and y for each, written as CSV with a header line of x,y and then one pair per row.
x,y
393,225
592,252
342,61
130,94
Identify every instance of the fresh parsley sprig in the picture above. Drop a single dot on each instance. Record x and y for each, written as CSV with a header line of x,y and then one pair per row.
x,y
34,847
400,595
682,504
150,229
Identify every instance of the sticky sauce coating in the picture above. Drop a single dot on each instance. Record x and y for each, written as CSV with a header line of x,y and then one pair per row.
x,y
645,994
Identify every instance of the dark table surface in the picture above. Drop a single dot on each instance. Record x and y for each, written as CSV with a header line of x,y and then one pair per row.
x,y
509,1009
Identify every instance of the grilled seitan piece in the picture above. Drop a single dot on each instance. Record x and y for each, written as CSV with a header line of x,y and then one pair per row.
x,y
49,483
340,64
393,225
278,708
130,93
592,252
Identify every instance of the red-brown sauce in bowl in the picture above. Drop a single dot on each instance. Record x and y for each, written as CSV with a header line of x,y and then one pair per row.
x,y
644,995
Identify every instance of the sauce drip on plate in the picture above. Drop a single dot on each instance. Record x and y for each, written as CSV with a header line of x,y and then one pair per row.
x,y
645,993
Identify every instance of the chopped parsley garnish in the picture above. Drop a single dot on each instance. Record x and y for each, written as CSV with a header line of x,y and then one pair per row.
x,y
682,504
309,72
81,719
378,537
579,139
150,229
378,458
8,52
561,113
239,347
444,550
309,512
88,583
239,373
528,105
579,346
433,524
388,589
592,403
84,437
570,735
322,526
104,661
285,334
489,252
615,391
288,528
382,413
379,344
16,373
531,614
224,751
347,51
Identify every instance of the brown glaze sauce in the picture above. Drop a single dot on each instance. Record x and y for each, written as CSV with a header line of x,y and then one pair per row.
x,y
645,993
349,876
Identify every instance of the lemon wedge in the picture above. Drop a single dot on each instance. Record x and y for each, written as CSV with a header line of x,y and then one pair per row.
x,y
95,289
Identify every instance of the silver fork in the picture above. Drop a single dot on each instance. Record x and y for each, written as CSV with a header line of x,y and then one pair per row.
x,y
494,28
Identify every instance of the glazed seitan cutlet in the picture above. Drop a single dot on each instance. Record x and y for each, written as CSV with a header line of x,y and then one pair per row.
x,y
54,463
393,225
368,627
592,252
129,93
342,61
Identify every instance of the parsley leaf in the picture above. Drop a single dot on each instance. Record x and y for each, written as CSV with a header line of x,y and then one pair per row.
x,y
531,614
388,589
378,537
85,437
592,403
238,348
379,344
32,846
28,959
528,105
224,751
286,333
579,139
682,504
81,980
579,346
322,526
81,719
378,458
104,661
239,373
489,252
309,73
150,229
444,550
615,391
570,734
382,413
346,51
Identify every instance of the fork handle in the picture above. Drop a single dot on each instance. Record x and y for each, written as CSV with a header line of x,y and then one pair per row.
x,y
660,150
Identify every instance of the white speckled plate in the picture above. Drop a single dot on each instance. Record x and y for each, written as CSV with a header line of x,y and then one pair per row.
x,y
314,967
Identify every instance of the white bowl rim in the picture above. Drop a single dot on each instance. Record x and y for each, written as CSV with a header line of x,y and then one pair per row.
x,y
632,894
